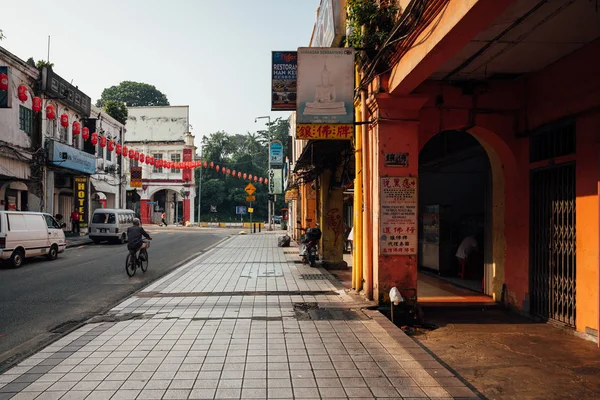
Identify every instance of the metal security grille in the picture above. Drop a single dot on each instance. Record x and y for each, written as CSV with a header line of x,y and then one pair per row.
x,y
552,243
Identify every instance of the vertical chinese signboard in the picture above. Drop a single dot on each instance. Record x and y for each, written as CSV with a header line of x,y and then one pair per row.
x,y
80,188
284,76
325,108
398,216
186,174
135,180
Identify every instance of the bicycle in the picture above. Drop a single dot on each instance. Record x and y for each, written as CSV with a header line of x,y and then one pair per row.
x,y
134,260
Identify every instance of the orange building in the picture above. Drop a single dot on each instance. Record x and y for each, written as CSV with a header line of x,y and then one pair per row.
x,y
492,109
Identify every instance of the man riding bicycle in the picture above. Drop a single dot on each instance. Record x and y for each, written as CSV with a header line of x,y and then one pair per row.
x,y
136,235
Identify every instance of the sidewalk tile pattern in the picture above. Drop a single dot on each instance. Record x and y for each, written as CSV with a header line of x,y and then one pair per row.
x,y
222,327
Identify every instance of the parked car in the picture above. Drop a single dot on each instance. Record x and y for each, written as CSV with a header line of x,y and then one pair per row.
x,y
29,234
277,219
109,224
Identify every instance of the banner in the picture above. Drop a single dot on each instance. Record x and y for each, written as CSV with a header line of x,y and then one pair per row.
x,y
80,188
325,85
275,181
276,152
284,75
135,180
325,131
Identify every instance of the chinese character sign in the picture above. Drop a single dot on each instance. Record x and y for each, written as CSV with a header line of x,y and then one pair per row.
x,y
325,85
325,131
283,84
398,216
80,188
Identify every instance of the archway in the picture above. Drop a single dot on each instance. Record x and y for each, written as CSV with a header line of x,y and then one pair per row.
x,y
168,201
461,195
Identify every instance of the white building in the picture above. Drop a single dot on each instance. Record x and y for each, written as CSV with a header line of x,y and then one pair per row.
x,y
18,131
108,183
162,133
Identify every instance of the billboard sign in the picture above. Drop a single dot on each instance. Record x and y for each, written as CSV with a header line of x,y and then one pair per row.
x,y
325,86
276,152
284,75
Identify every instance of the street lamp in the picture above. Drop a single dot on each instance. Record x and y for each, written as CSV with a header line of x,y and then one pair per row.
x,y
270,203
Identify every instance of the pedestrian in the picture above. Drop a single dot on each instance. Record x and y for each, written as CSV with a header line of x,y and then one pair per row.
x,y
163,218
464,252
75,222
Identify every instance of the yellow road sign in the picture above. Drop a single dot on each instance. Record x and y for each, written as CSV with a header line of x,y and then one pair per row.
x,y
250,198
250,210
250,189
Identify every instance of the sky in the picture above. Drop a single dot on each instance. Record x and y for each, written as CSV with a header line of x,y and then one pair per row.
x,y
213,55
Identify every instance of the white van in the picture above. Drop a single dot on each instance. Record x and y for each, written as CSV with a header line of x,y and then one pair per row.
x,y
29,234
110,224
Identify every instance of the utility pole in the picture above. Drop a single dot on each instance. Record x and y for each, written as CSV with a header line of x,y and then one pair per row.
x,y
269,204
200,184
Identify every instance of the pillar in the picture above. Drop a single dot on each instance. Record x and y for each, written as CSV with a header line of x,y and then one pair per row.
x,y
186,210
49,192
145,212
331,204
395,195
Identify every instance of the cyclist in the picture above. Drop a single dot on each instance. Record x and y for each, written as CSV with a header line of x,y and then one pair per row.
x,y
136,235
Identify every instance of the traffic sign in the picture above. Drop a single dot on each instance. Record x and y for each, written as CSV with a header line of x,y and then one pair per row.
x,y
240,210
250,210
250,198
250,189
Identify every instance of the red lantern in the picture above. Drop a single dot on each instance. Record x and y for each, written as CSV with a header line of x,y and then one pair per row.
x,y
125,151
261,180
36,104
256,179
76,128
102,141
249,177
218,168
245,176
85,134
119,149
131,154
64,120
94,139
111,145
50,112
212,164
233,173
3,82
266,181
22,93
152,161
239,175
228,171
136,155
205,164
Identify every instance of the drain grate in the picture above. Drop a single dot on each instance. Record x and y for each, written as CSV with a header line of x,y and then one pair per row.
x,y
313,277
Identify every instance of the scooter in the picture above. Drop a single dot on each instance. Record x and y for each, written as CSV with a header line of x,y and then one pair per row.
x,y
309,245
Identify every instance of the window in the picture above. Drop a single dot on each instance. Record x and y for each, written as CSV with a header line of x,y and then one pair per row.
x,y
100,150
51,222
51,128
26,120
103,218
63,133
156,158
4,94
16,222
108,155
175,158
75,141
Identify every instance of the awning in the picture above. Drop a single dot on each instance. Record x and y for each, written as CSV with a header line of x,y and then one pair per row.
x,y
104,186
322,154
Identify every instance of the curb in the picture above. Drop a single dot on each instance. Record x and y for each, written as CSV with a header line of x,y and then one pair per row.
x,y
83,243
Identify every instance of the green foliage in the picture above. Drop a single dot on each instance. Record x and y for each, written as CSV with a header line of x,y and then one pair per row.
x,y
2,35
246,153
117,110
378,19
41,64
133,94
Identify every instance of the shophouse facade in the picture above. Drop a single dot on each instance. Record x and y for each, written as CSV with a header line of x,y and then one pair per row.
x,y
162,133
19,188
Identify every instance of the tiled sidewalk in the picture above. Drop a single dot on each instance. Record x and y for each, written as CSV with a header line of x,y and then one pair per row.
x,y
243,321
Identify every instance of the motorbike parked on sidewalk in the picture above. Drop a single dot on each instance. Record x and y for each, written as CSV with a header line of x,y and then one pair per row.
x,y
309,245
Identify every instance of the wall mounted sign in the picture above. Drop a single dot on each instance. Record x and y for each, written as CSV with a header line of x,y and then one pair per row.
x,y
396,160
275,181
284,76
135,179
276,152
80,188
62,155
325,131
398,216
61,90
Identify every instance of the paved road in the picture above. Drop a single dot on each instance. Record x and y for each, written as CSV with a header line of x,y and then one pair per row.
x,y
81,283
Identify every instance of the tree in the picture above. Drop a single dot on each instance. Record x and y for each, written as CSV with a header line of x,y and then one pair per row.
x,y
117,110
133,94
2,36
41,64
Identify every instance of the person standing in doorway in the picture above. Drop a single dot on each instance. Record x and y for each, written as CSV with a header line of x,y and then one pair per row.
x,y
464,252
163,218
75,222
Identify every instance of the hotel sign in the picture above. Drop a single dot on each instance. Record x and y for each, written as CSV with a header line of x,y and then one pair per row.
x,y
80,189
